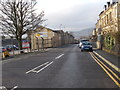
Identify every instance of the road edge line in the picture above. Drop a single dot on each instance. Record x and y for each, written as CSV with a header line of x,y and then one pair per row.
x,y
105,71
107,67
108,62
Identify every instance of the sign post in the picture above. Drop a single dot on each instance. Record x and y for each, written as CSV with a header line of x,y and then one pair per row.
x,y
37,36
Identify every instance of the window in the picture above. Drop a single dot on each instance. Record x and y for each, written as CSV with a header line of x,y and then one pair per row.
x,y
110,16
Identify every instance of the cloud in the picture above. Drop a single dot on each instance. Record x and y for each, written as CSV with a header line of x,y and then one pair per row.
x,y
74,14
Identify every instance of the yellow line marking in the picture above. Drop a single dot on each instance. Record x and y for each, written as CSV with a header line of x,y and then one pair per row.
x,y
109,63
106,71
106,67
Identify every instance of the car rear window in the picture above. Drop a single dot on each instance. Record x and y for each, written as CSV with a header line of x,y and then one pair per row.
x,y
86,43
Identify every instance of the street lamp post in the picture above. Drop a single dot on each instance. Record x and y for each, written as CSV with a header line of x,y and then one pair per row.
x,y
42,43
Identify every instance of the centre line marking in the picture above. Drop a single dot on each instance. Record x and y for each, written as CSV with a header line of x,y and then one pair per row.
x,y
33,70
59,56
14,87
44,67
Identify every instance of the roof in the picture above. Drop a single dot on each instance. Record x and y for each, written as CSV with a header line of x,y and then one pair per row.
x,y
101,13
58,31
108,8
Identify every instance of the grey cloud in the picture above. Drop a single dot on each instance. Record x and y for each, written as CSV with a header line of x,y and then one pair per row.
x,y
76,17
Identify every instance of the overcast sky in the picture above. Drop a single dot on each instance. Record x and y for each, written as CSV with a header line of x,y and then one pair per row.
x,y
70,14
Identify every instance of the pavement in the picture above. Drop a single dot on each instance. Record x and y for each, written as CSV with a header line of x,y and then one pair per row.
x,y
17,55
63,67
110,57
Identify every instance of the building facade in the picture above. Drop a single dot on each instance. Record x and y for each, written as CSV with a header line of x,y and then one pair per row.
x,y
44,37
108,25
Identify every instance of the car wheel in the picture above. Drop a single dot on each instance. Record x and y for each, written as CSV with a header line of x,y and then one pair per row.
x,y
6,56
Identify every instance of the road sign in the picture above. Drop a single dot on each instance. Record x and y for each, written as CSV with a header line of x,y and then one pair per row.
x,y
37,35
41,34
25,44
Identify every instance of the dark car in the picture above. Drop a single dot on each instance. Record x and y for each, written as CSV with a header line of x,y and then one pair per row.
x,y
11,47
3,49
86,46
82,41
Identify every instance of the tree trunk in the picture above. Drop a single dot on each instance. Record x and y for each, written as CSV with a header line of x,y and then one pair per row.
x,y
20,45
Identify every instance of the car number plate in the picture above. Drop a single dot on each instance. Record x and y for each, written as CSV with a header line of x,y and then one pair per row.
x,y
86,48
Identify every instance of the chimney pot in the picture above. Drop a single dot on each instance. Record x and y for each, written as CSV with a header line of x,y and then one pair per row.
x,y
108,3
115,1
105,6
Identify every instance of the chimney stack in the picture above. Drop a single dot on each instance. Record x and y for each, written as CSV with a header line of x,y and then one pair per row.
x,y
105,6
114,1
108,3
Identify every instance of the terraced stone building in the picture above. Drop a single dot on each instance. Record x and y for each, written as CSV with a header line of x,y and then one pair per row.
x,y
109,24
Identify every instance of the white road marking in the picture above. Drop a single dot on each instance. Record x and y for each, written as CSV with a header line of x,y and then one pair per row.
x,y
33,70
44,67
14,87
3,88
59,56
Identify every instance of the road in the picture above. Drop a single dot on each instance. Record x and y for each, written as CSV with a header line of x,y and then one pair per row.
x,y
64,67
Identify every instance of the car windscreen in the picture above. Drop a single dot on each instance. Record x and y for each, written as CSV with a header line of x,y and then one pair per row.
x,y
86,43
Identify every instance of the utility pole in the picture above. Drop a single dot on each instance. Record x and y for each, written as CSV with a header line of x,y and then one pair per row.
x,y
42,43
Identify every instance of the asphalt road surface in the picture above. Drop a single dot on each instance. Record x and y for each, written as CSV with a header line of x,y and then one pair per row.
x,y
64,67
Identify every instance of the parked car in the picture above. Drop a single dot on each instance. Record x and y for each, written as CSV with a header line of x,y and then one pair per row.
x,y
11,47
86,46
3,49
82,41
4,52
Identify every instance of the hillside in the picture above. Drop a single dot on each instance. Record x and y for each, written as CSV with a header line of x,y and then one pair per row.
x,y
83,32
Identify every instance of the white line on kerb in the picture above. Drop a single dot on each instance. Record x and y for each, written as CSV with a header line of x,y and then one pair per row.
x,y
59,56
44,67
33,70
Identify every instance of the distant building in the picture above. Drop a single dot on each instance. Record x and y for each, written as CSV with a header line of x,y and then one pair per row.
x,y
49,38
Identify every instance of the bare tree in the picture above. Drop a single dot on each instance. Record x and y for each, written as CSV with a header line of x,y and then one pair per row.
x,y
17,17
